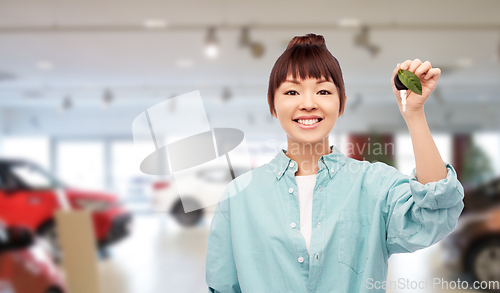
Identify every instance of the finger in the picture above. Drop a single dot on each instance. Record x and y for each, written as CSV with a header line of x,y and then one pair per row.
x,y
405,65
394,72
423,69
433,73
414,65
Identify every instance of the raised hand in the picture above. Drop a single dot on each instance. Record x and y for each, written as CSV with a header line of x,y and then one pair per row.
x,y
428,77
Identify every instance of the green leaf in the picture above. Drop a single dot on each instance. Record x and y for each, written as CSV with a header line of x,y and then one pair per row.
x,y
410,80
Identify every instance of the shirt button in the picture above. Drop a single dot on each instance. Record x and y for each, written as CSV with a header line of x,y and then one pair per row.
x,y
317,256
319,224
290,190
291,164
301,260
279,173
331,170
293,225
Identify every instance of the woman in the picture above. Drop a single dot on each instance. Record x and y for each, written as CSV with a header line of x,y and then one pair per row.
x,y
313,220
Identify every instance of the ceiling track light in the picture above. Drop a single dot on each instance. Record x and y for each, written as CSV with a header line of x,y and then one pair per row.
x,y
373,50
226,95
66,104
362,39
211,43
245,37
107,98
256,48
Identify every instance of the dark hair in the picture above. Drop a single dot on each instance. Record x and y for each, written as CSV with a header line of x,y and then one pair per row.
x,y
307,57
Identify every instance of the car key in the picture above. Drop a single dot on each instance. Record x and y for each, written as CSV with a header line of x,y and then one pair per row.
x,y
402,90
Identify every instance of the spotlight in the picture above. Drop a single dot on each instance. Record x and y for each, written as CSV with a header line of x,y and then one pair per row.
x,y
362,39
226,95
257,49
66,104
245,37
107,98
211,44
373,50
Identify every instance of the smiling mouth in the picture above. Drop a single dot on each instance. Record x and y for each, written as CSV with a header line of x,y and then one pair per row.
x,y
308,121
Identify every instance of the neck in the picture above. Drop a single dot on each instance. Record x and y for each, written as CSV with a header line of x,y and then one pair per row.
x,y
307,155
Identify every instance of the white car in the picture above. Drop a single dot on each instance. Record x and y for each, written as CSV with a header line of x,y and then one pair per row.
x,y
196,192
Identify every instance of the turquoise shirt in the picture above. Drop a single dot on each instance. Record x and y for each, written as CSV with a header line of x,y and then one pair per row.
x,y
362,214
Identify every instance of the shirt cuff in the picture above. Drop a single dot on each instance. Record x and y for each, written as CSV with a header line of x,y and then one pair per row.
x,y
441,194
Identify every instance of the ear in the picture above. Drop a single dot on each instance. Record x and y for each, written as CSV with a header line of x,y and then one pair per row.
x,y
345,103
274,114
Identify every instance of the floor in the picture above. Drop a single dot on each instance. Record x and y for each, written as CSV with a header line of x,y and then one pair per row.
x,y
160,256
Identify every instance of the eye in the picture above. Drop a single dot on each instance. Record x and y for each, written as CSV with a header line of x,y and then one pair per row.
x,y
292,91
325,91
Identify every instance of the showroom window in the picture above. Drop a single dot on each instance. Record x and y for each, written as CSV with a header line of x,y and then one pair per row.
x,y
34,149
81,163
405,159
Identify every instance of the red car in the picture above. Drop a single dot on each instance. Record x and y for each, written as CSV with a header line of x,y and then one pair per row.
x,y
28,198
24,266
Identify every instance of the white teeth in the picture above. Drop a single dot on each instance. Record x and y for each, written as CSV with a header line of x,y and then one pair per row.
x,y
308,121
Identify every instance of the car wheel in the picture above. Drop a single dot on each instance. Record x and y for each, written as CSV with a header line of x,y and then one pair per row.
x,y
484,260
50,241
186,219
103,253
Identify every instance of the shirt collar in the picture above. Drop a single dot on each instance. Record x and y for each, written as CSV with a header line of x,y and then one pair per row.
x,y
332,162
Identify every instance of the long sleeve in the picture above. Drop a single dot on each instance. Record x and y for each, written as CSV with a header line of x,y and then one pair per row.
x,y
221,274
417,215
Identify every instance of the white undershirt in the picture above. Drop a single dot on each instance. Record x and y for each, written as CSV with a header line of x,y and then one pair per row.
x,y
306,188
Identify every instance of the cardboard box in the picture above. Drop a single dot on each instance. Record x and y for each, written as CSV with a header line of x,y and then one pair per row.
x,y
79,253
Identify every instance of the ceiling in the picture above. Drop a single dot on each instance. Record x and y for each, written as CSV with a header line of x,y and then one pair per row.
x,y
53,49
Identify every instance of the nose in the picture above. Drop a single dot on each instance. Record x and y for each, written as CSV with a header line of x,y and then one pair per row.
x,y
308,102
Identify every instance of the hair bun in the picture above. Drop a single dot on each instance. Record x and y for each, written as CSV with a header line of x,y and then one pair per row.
x,y
311,39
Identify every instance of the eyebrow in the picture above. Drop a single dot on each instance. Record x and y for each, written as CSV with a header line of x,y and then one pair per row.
x,y
297,82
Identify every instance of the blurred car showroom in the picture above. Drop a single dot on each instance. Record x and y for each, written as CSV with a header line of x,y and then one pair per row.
x,y
75,75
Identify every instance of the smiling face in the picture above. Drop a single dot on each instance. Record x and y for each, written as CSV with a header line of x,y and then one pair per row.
x,y
315,100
